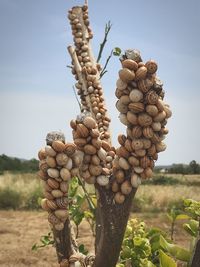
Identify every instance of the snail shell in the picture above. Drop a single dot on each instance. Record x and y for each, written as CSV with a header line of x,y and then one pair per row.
x,y
82,130
91,180
156,126
125,100
123,163
160,116
137,144
148,172
128,145
160,147
168,112
132,118
53,183
135,180
64,187
121,107
80,142
120,176
53,173
115,187
148,132
48,195
133,161
51,162
43,166
133,54
122,152
135,95
151,97
145,162
89,122
51,204
62,202
97,143
102,154
95,160
69,164
58,146
144,119
136,107
155,139
152,150
70,149
130,64
44,204
123,119
137,132
146,143
56,193
53,219
141,73
102,180
64,263
42,154
126,75
152,110
145,85
59,227
61,213
119,198
95,170
140,152
151,66
121,139
126,188
89,149
121,85
160,105
61,159
138,169
106,146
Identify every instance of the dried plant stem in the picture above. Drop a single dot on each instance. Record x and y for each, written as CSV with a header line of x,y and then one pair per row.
x,y
102,45
105,66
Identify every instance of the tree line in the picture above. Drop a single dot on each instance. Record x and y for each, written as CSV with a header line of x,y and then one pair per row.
x,y
192,168
15,164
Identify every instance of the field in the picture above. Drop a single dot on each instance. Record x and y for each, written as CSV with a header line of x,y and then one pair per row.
x,y
20,229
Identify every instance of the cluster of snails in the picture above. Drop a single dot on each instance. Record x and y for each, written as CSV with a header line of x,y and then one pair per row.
x,y
142,110
58,163
97,155
91,92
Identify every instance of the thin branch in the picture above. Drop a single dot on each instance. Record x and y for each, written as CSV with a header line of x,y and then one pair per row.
x,y
102,45
76,98
86,2
104,68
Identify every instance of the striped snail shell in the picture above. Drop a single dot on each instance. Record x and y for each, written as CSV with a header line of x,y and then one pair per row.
x,y
62,202
53,219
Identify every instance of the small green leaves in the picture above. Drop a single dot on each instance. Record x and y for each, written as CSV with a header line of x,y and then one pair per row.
x,y
166,261
191,227
82,249
117,51
46,240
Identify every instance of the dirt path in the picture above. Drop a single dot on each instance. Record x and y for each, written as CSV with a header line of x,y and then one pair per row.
x,y
19,230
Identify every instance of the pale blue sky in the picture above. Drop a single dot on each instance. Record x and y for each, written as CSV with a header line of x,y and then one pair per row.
x,y
36,87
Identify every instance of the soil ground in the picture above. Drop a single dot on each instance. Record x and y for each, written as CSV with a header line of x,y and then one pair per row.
x,y
19,230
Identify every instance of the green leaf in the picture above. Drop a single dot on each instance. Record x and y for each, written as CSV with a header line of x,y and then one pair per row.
x,y
182,217
88,215
169,217
117,51
34,247
166,261
73,187
178,252
78,218
82,249
191,227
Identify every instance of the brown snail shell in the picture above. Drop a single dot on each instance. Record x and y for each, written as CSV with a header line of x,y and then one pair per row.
x,y
123,163
125,99
61,213
115,187
95,170
61,159
144,85
89,149
151,66
152,110
51,204
136,107
121,85
138,169
53,173
73,123
133,161
152,150
128,145
151,97
141,73
95,160
80,142
160,116
62,202
144,119
120,176
59,227
89,122
148,172
160,105
135,180
168,112
44,204
160,147
126,188
119,198
53,183
126,75
137,132
156,126
140,152
102,180
121,107
102,154
132,118
70,149
133,54
64,187
130,64
48,195
57,193
43,166
155,139
123,119
53,219
69,164
145,162
148,132
94,133
135,95
137,144
91,180
97,143
51,162
122,152
42,154
58,146
82,130
146,143
64,263
105,145
43,175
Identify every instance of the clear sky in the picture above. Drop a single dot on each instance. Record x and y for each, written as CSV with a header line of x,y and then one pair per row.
x,y
36,86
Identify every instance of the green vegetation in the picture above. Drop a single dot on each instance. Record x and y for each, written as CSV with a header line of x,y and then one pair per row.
x,y
17,165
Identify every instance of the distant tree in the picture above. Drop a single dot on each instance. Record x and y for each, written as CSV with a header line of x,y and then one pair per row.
x,y
194,167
